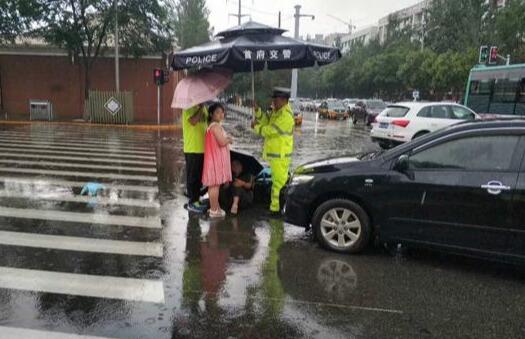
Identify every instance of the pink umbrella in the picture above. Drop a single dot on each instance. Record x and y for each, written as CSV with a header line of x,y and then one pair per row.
x,y
200,87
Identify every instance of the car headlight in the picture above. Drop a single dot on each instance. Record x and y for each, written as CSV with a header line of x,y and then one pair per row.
x,y
301,179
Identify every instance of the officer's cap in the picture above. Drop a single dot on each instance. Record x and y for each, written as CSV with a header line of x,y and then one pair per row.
x,y
281,92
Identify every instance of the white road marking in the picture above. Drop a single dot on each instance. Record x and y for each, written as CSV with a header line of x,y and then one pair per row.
x,y
86,154
79,174
85,159
26,333
68,164
82,285
94,245
77,139
88,218
81,199
67,183
52,145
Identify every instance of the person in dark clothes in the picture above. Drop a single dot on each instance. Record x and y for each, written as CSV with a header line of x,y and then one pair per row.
x,y
239,193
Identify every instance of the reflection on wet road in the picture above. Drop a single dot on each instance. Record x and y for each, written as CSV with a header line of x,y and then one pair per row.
x,y
131,262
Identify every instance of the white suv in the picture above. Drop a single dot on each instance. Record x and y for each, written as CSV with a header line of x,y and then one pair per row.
x,y
405,121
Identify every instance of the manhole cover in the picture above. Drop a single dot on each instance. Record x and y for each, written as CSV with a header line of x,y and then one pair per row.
x,y
112,106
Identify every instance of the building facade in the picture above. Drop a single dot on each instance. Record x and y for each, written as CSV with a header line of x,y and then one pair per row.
x,y
359,37
413,17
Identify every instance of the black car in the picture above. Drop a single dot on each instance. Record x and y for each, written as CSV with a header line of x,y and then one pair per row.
x,y
460,189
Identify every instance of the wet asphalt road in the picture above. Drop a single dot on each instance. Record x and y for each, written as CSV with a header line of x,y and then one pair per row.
x,y
133,264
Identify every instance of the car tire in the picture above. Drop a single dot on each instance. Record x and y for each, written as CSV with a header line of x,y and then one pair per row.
x,y
419,134
348,220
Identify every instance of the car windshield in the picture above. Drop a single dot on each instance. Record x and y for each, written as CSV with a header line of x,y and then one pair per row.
x,y
395,111
375,104
336,105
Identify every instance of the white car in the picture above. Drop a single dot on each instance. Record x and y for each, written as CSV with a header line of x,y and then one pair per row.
x,y
405,121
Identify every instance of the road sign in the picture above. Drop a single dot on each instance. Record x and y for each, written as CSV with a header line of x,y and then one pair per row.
x,y
415,95
112,106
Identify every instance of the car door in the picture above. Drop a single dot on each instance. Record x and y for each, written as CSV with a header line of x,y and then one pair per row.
x,y
517,231
433,118
457,192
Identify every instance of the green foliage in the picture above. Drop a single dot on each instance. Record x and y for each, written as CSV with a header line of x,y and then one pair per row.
x,y
509,32
190,18
16,17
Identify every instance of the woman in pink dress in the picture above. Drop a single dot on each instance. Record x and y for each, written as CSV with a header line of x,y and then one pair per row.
x,y
217,166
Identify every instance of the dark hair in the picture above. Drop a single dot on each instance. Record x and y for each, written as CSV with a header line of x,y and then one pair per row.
x,y
213,107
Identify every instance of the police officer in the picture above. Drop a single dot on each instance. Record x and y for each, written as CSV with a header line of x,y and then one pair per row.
x,y
277,130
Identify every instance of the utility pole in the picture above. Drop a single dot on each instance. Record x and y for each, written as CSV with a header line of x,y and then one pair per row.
x,y
279,21
239,15
297,16
117,71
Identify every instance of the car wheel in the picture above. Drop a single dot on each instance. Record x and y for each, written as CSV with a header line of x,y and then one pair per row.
x,y
341,225
419,134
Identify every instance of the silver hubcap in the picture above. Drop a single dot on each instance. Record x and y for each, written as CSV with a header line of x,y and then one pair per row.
x,y
340,227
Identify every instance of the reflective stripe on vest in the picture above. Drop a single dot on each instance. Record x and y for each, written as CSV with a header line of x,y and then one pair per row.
x,y
280,131
275,155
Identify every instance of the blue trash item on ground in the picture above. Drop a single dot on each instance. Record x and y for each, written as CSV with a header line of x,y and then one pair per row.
x,y
265,175
92,189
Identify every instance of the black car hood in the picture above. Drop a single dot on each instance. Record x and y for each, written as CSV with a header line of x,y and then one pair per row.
x,y
326,165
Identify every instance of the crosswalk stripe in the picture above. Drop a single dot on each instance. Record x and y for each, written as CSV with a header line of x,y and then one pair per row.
x,y
86,159
83,199
67,183
78,142
17,333
94,245
52,145
108,155
78,139
70,165
82,285
88,218
79,174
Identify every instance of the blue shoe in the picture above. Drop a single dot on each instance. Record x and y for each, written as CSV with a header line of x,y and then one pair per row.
x,y
196,207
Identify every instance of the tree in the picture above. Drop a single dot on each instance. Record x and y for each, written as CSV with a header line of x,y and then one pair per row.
x,y
455,25
509,29
16,17
191,23
84,27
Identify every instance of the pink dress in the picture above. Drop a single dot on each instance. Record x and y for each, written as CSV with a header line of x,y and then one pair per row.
x,y
217,166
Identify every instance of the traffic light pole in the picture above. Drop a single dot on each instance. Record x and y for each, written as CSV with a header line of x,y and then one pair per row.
x,y
158,105
297,16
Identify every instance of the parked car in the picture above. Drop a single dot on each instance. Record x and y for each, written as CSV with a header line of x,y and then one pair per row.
x,y
403,122
333,109
373,108
460,189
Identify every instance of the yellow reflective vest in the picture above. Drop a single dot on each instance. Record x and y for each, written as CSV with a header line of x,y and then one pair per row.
x,y
277,130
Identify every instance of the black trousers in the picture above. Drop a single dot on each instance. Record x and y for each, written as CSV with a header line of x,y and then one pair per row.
x,y
194,164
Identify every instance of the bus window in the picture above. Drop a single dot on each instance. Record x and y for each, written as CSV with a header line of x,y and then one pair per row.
x,y
520,103
479,96
504,96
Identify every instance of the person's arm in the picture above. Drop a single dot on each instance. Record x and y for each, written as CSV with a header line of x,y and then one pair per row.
x,y
197,117
220,136
283,125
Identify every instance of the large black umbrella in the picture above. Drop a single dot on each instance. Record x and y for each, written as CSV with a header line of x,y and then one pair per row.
x,y
249,163
252,47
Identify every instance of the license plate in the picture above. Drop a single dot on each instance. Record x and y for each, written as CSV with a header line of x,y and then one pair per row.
x,y
383,125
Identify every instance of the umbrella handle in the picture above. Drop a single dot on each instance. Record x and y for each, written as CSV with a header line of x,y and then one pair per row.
x,y
253,90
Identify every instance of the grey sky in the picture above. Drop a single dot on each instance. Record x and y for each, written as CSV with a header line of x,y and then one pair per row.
x,y
361,12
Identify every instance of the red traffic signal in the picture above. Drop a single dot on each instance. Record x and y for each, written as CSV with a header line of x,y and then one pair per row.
x,y
493,56
158,76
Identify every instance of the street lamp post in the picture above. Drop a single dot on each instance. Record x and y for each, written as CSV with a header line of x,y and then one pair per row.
x,y
297,16
117,71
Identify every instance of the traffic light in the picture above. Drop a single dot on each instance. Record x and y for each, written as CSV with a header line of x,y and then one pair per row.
x,y
493,58
158,76
166,76
483,55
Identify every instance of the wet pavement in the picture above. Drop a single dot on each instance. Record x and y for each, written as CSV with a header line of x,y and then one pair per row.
x,y
132,263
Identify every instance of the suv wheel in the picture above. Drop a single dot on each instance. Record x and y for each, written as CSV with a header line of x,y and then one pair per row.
x,y
341,225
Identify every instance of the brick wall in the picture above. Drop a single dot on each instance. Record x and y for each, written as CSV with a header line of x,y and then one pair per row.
x,y
57,79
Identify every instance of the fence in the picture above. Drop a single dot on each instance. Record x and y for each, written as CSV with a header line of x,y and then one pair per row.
x,y
110,107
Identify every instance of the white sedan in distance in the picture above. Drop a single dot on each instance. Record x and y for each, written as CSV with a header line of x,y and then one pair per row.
x,y
405,121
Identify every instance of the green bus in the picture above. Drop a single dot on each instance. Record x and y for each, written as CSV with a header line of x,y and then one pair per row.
x,y
496,90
